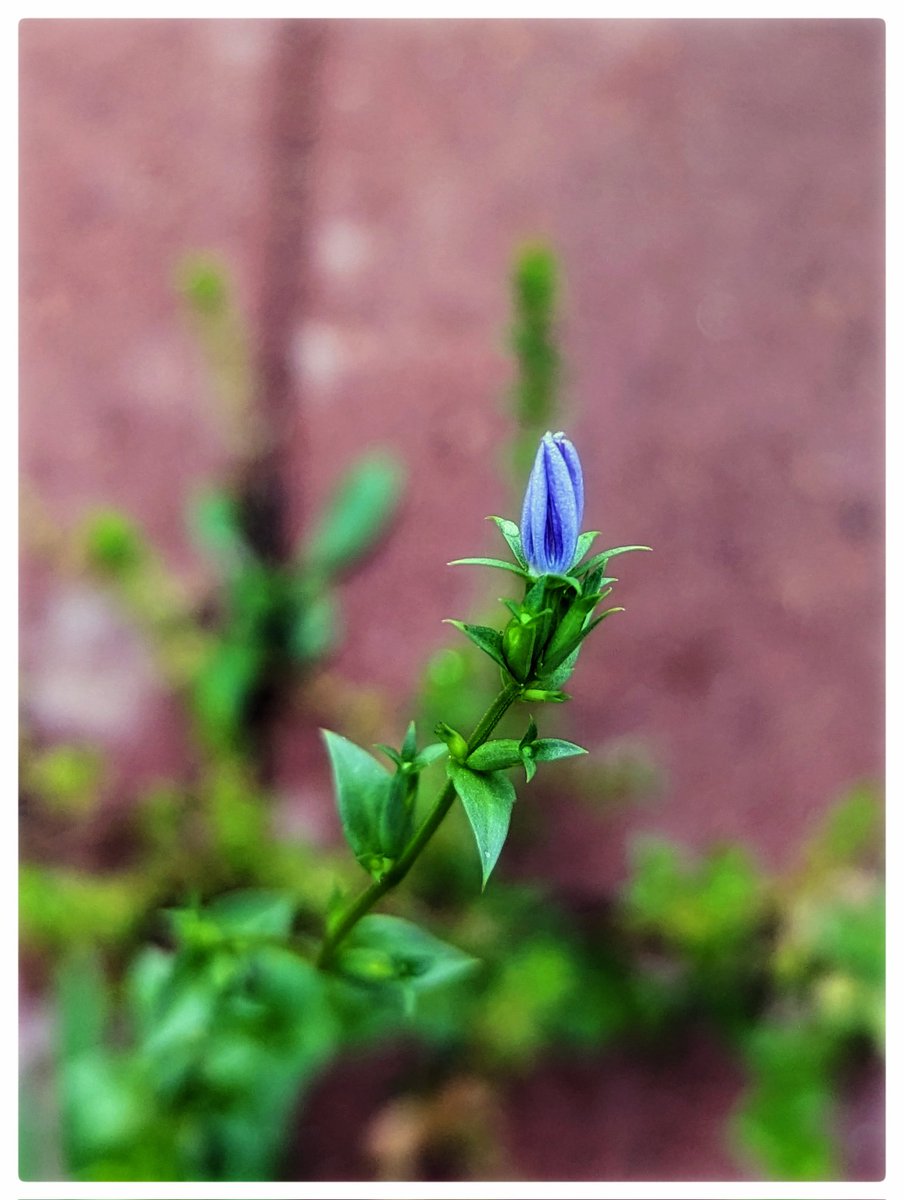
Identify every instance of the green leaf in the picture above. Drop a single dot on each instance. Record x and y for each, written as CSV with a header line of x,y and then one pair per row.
x,y
585,541
362,790
564,671
600,560
215,521
315,629
495,755
550,749
489,562
430,754
512,535
487,800
223,685
383,949
356,515
489,640
409,744
82,1004
254,912
563,581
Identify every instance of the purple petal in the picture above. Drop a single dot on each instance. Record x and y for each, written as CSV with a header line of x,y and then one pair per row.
x,y
573,463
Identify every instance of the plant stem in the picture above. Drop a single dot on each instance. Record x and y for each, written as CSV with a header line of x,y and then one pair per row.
x,y
432,822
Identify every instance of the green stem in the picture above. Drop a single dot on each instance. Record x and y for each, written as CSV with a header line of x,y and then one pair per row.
x,y
432,822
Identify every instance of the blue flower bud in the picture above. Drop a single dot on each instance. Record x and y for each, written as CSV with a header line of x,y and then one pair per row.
x,y
553,507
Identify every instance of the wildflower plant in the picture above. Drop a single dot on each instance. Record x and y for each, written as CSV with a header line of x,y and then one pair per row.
x,y
536,651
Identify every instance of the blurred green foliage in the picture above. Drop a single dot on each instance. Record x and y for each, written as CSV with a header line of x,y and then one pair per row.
x,y
190,1023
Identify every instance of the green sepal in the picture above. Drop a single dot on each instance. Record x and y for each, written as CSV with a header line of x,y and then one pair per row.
x,y
562,581
489,562
495,756
512,535
487,799
564,671
585,541
488,640
569,633
600,560
543,696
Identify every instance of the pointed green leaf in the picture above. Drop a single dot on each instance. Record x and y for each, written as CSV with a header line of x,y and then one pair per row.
x,y
564,671
585,541
215,521
409,745
487,801
550,749
315,630
356,515
390,753
489,640
362,790
512,535
251,912
531,734
564,581
489,562
603,557
430,754
530,768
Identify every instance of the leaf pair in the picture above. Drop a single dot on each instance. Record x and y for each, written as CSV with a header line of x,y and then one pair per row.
x,y
376,807
488,795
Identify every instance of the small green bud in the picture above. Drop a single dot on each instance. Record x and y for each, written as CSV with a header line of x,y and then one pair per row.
x,y
545,697
458,746
518,643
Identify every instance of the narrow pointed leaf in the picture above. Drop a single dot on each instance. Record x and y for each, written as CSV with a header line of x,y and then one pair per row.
x,y
600,560
487,800
356,515
389,752
550,749
409,746
489,640
512,535
585,541
430,754
564,671
489,562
